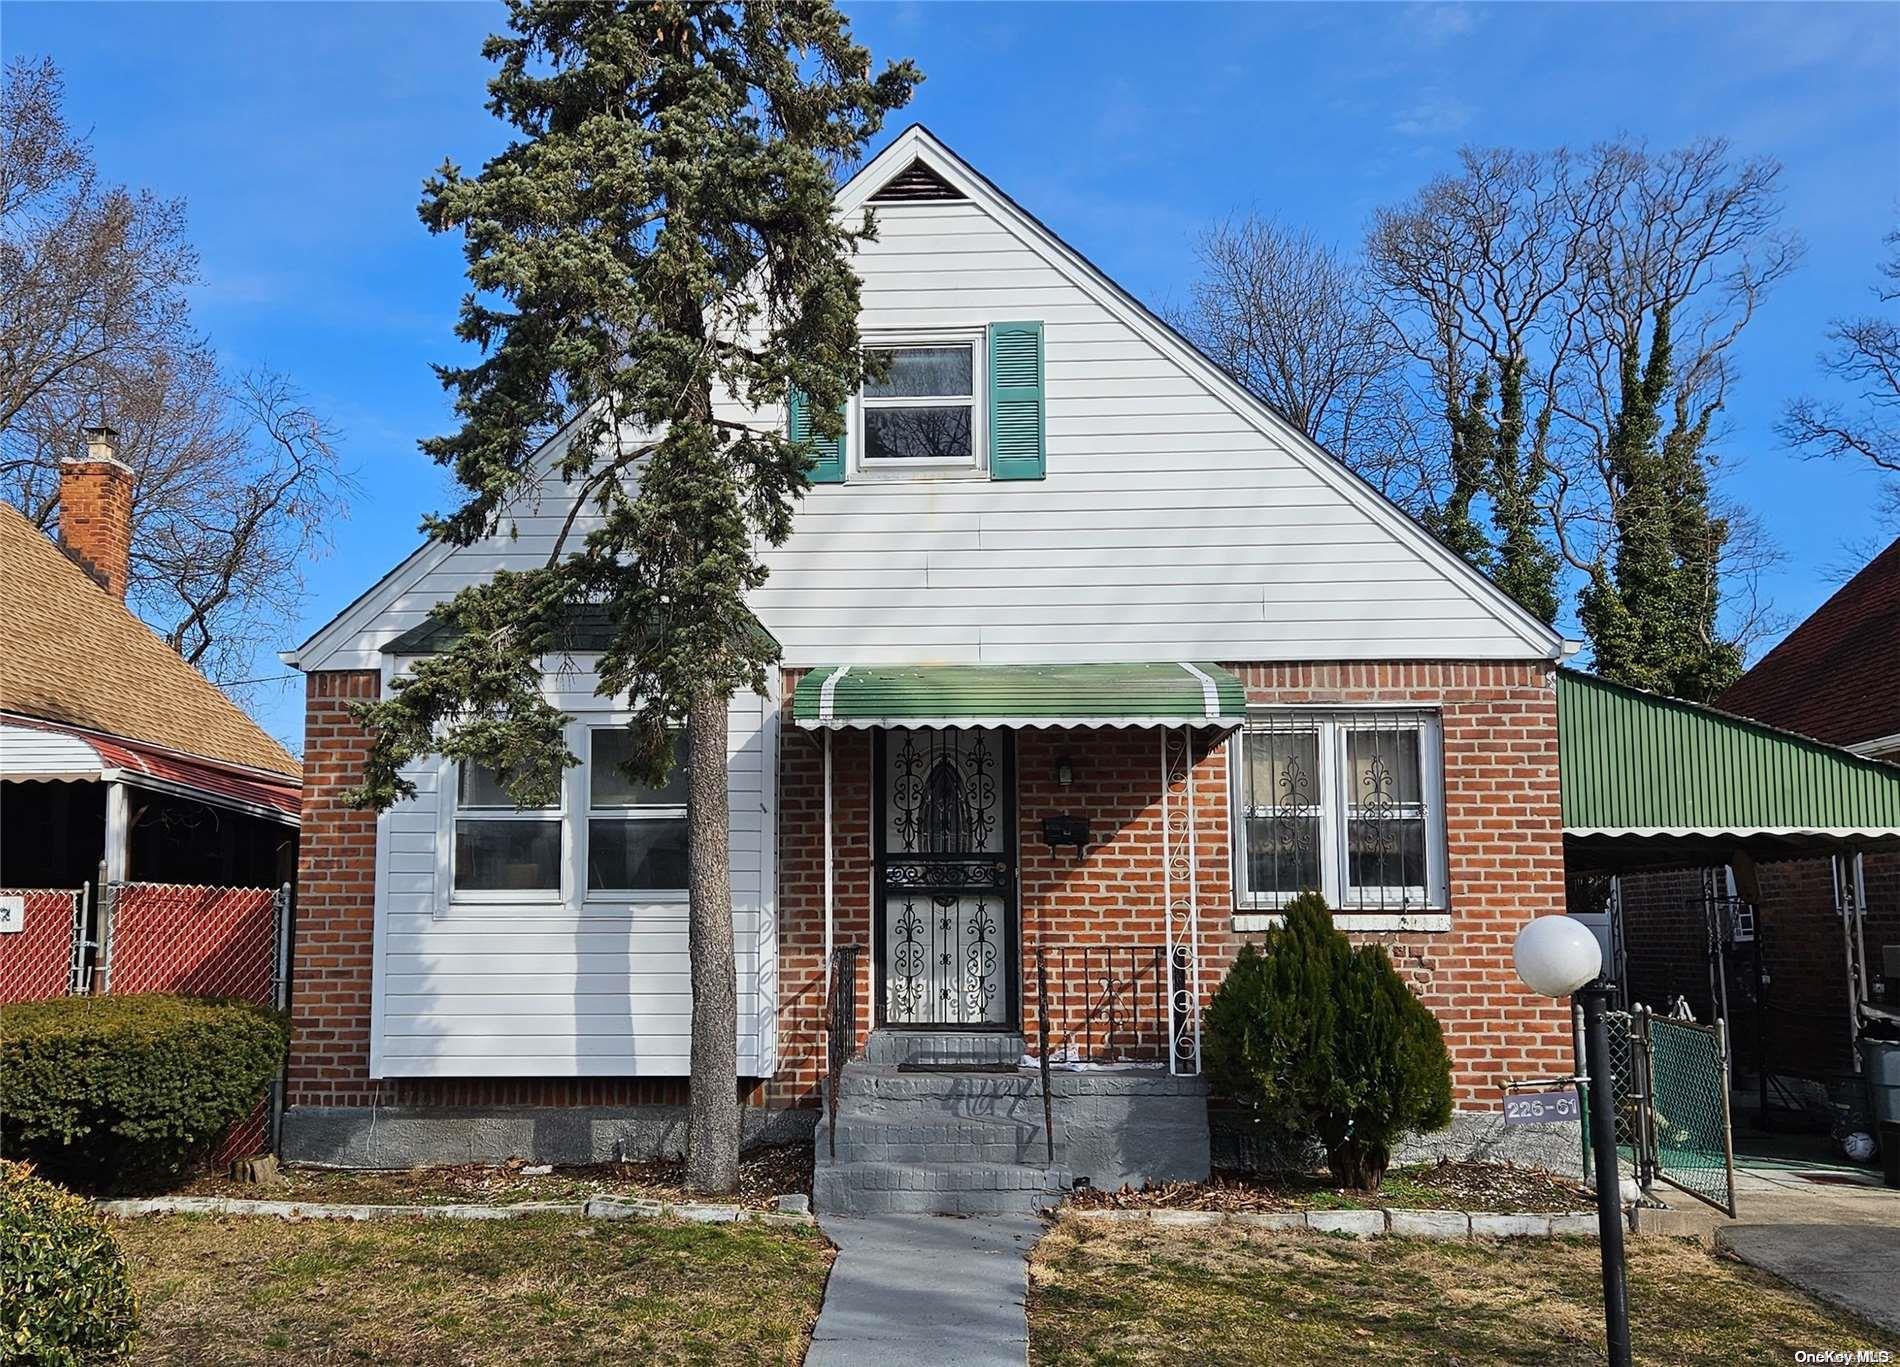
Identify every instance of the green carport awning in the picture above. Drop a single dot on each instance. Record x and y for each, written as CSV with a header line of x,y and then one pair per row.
x,y
1147,694
1649,779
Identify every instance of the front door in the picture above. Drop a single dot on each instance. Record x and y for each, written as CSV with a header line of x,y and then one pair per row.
x,y
946,878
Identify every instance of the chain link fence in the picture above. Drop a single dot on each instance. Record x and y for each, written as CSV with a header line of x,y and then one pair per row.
x,y
42,952
1669,1080
201,942
1689,1115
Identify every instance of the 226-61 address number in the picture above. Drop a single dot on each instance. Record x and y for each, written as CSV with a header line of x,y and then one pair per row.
x,y
1541,1108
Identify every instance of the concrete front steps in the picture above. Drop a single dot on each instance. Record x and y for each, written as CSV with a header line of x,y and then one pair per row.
x,y
938,1124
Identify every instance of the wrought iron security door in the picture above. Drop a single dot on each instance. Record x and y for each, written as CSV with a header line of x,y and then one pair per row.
x,y
946,874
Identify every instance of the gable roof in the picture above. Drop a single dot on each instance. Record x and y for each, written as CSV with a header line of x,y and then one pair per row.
x,y
918,153
1833,677
917,146
72,653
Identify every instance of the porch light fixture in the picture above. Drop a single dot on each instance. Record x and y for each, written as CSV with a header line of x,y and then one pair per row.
x,y
1065,771
1558,957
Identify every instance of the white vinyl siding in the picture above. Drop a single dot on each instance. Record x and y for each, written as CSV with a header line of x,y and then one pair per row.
x,y
1169,524
594,985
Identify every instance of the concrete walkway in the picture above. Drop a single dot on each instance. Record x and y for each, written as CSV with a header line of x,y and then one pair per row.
x,y
926,1289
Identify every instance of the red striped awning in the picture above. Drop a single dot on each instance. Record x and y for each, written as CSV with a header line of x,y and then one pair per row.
x,y
277,796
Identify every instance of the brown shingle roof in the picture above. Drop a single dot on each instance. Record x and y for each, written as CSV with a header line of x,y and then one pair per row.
x,y
70,652
1834,676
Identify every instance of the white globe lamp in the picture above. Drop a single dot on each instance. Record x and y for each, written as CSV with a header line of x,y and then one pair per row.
x,y
1556,955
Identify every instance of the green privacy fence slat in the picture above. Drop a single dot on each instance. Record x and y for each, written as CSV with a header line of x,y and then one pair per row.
x,y
1636,760
1098,692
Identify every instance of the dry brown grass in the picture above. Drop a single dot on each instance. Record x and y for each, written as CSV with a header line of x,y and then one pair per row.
x,y
1136,1293
764,1175
537,1290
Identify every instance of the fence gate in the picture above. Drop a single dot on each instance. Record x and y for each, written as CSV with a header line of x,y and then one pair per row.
x,y
42,943
1694,1148
1670,1083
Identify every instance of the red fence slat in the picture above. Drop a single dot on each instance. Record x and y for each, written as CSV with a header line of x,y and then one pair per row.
x,y
36,962
197,942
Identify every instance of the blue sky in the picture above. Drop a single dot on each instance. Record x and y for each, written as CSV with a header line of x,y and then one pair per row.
x,y
300,134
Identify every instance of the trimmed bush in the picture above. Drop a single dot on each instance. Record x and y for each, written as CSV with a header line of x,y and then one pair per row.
x,y
1321,1041
64,1293
128,1093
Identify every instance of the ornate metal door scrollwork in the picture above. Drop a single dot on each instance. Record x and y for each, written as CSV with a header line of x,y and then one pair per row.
x,y
947,879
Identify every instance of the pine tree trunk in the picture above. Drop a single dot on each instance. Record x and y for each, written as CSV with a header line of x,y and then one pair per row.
x,y
712,1115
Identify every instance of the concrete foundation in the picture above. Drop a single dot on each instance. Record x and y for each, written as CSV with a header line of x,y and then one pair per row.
x,y
420,1136
1130,1127
1482,1136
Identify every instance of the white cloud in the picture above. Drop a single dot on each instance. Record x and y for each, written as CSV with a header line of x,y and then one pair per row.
x,y
1434,114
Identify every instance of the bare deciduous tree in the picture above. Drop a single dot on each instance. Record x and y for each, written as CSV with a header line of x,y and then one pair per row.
x,y
1285,315
1863,359
237,480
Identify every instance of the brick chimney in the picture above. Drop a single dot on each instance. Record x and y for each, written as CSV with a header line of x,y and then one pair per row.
x,y
95,510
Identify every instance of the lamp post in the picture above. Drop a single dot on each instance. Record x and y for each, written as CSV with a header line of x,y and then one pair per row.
x,y
1559,957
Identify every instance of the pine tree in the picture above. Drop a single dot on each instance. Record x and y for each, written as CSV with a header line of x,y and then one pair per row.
x,y
659,239
1324,1041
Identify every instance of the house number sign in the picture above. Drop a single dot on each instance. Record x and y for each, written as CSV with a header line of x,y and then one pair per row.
x,y
12,915
1541,1108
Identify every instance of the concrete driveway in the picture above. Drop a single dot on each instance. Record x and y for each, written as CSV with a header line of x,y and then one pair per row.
x,y
1832,1231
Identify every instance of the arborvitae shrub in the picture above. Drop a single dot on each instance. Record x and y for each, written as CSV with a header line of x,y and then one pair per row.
x,y
1320,1040
125,1093
64,1294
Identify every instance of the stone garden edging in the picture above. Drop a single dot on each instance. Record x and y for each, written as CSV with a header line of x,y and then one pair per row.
x,y
1411,1224
596,1208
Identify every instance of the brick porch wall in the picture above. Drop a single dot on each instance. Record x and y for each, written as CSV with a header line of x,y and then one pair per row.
x,y
1503,835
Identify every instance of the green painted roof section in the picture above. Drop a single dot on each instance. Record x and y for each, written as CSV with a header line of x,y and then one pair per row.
x,y
1147,694
1637,761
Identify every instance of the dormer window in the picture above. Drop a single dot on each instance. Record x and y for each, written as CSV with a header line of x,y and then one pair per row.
x,y
922,410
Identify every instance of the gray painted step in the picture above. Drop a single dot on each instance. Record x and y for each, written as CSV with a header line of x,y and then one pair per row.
x,y
939,1048
866,1188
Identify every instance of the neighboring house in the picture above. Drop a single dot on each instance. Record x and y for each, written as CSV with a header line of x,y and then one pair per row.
x,y
116,756
1089,661
1810,947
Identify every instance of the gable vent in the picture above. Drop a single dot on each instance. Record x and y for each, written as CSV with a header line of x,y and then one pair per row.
x,y
915,182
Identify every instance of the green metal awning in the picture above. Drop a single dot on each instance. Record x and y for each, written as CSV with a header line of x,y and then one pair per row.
x,y
1647,778
1119,695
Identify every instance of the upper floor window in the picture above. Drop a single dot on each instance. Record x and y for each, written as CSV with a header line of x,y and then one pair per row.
x,y
922,409
1348,803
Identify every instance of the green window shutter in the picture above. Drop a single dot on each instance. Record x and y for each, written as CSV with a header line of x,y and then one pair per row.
x,y
1016,403
828,468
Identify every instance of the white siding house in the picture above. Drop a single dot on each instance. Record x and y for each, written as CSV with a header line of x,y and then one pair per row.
x,y
1167,516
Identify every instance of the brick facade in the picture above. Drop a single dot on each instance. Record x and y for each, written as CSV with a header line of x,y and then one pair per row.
x,y
1803,1027
1504,849
1504,852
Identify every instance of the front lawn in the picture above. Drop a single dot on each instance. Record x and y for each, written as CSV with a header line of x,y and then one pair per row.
x,y
1445,1185
538,1290
1132,1293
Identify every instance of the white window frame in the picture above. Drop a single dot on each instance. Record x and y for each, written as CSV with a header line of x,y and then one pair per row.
x,y
589,813
978,464
455,813
1392,908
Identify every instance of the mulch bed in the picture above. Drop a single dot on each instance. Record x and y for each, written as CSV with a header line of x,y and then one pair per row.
x,y
764,1176
1445,1185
